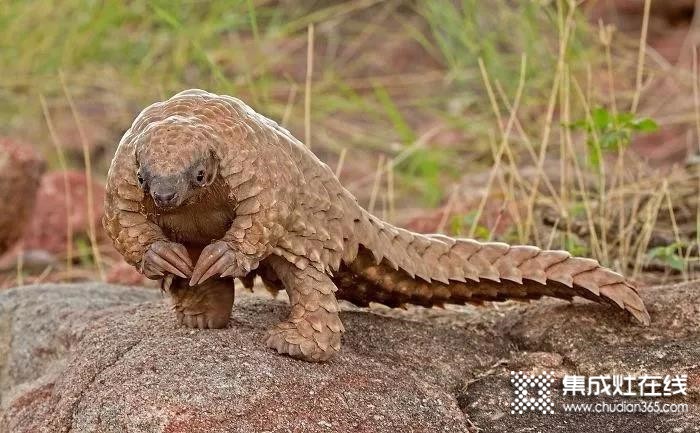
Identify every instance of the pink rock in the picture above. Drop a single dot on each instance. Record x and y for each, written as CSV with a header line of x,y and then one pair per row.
x,y
668,9
20,170
124,274
48,228
669,22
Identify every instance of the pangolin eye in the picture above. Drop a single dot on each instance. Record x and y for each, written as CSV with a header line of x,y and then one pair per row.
x,y
138,175
200,176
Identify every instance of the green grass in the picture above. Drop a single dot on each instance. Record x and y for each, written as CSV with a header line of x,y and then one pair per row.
x,y
433,113
136,52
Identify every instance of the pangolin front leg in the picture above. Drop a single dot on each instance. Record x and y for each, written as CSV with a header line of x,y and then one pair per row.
x,y
313,329
205,306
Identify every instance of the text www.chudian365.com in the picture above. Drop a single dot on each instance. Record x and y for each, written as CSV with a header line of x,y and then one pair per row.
x,y
626,407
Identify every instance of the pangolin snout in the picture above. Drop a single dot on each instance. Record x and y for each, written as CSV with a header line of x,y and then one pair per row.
x,y
164,198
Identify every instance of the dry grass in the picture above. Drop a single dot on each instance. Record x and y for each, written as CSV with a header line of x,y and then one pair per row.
x,y
427,91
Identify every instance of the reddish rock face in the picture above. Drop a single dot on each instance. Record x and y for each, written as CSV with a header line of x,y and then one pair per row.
x,y
48,228
124,274
626,11
96,358
20,170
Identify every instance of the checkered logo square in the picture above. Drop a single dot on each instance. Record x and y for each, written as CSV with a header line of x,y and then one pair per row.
x,y
532,393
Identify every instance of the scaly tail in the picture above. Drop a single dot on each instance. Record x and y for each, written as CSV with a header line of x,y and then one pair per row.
x,y
396,267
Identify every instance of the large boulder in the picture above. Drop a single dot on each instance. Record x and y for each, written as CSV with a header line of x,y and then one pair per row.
x,y
21,167
58,208
99,358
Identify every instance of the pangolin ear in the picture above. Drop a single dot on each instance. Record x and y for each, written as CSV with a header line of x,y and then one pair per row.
x,y
213,165
137,164
140,144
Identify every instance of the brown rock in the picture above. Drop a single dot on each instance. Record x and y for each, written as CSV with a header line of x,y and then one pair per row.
x,y
664,147
95,358
536,360
124,274
671,35
20,170
101,367
671,10
590,344
673,43
669,23
48,228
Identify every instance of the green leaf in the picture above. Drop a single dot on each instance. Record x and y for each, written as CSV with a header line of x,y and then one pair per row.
x,y
394,114
645,125
608,133
84,250
676,262
166,16
601,118
624,119
595,154
575,246
579,124
577,210
669,255
480,232
456,225
614,139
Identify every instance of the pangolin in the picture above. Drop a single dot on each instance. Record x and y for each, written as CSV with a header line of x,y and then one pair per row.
x,y
202,190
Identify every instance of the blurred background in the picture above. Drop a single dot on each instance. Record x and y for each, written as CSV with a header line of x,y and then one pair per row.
x,y
565,124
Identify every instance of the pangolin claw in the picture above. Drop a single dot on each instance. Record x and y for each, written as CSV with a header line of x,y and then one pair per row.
x,y
164,257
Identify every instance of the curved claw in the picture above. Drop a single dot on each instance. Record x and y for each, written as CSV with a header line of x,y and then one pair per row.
x,y
215,259
159,261
220,266
166,257
230,270
175,255
149,270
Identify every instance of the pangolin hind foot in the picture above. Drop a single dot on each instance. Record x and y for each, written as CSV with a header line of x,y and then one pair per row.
x,y
313,329
206,175
207,306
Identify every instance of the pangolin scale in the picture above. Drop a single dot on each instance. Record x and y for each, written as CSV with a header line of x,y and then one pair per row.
x,y
202,178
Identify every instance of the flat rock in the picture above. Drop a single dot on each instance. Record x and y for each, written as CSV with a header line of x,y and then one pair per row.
x,y
100,358
586,340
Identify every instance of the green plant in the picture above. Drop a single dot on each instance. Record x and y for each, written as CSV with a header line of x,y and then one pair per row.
x,y
461,224
575,245
670,255
610,132
430,115
425,170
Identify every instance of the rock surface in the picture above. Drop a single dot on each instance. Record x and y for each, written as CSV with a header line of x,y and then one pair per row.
x,y
99,358
21,168
47,229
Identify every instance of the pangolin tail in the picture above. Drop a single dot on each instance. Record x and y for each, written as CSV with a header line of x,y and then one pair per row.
x,y
394,266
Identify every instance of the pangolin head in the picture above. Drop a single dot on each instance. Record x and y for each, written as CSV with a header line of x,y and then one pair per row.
x,y
176,160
